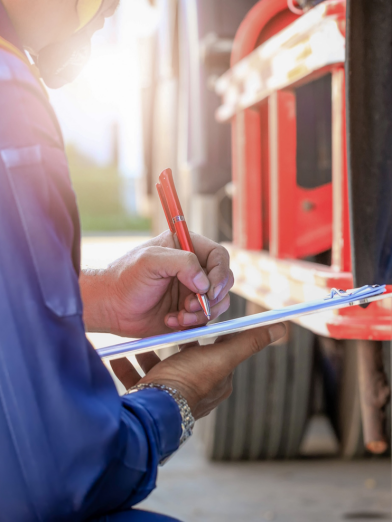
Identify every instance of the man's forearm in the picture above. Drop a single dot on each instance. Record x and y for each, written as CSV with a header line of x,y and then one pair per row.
x,y
150,431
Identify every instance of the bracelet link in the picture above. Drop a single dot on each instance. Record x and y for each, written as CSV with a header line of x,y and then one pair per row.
x,y
187,419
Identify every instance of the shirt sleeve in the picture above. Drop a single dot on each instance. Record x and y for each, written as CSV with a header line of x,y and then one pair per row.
x,y
70,447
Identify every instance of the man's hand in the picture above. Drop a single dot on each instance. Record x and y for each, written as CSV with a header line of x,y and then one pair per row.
x,y
151,290
202,374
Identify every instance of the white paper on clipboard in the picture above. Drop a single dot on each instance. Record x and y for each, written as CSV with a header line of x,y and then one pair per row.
x,y
337,299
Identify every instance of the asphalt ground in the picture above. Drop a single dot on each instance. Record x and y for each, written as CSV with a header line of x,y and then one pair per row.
x,y
308,490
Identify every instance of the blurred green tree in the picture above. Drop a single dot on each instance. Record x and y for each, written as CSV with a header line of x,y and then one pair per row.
x,y
98,190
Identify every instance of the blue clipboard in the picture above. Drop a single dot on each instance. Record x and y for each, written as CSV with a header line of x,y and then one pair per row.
x,y
336,299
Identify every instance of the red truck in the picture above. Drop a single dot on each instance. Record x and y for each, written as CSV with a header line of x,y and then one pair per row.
x,y
306,96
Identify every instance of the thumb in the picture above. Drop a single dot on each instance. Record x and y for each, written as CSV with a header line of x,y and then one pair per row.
x,y
168,262
229,354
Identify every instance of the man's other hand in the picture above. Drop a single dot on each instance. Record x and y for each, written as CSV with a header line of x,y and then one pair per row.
x,y
151,290
202,374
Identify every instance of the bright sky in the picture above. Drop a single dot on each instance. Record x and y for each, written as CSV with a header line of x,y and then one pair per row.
x,y
108,91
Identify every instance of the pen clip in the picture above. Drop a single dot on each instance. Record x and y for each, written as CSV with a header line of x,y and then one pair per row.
x,y
171,196
165,206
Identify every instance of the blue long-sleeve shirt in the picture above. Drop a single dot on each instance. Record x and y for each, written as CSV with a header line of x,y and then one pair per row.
x,y
70,447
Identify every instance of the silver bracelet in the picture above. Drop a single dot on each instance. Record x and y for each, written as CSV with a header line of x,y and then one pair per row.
x,y
187,419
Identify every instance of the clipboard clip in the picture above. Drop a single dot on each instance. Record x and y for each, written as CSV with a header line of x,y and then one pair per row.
x,y
357,292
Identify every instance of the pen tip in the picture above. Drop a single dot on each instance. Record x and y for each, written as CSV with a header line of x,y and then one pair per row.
x,y
205,305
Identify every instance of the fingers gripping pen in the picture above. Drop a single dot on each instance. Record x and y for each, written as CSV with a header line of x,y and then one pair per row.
x,y
177,224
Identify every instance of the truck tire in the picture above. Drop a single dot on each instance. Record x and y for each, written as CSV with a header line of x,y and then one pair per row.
x,y
266,414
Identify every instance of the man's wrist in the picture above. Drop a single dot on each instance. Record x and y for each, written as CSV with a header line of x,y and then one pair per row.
x,y
187,419
95,293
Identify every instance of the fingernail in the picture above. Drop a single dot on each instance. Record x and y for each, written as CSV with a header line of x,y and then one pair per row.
x,y
201,282
276,331
189,319
217,291
194,305
172,322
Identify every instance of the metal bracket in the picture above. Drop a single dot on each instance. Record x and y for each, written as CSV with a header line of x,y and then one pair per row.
x,y
346,293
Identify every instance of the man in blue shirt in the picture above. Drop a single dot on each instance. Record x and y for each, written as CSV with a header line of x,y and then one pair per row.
x,y
70,448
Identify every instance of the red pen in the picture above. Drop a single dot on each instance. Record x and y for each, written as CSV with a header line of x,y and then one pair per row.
x,y
177,224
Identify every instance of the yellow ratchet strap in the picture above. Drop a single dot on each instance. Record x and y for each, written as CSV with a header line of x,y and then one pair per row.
x,y
9,47
87,9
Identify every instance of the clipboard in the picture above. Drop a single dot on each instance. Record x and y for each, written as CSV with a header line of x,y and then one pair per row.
x,y
336,299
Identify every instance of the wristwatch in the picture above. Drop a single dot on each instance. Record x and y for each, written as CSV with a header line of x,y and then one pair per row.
x,y
187,419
